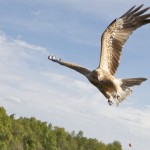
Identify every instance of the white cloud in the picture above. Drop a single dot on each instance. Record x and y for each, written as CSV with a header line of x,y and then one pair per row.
x,y
11,99
24,44
7,42
61,79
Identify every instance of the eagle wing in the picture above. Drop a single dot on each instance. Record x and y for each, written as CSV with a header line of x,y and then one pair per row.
x,y
117,33
73,66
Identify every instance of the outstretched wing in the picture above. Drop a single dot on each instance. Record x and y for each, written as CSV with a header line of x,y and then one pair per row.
x,y
117,33
75,67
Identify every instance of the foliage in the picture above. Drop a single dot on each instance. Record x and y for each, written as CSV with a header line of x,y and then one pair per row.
x,y
32,134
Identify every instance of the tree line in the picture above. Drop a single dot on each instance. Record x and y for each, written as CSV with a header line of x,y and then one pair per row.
x,y
32,134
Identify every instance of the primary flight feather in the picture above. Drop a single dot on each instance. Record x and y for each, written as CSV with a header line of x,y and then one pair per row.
x,y
112,41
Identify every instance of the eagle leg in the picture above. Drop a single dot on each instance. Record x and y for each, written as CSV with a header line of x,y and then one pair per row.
x,y
110,102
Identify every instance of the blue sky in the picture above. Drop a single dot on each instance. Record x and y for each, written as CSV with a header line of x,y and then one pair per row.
x,y
30,85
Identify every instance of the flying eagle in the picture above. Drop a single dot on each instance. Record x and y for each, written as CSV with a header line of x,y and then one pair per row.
x,y
112,41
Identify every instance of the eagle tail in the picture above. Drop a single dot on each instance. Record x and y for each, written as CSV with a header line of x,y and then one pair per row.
x,y
125,87
131,82
122,94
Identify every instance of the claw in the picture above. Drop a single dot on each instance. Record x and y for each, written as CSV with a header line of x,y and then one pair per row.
x,y
110,102
118,96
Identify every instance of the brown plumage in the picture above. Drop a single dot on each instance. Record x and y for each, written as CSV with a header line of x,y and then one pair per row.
x,y
112,41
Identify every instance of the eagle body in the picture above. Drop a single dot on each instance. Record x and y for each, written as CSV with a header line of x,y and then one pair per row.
x,y
109,86
112,42
104,82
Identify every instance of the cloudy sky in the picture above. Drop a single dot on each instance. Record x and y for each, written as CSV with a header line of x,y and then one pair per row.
x,y
32,86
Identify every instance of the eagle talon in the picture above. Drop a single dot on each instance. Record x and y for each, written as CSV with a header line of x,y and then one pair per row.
x,y
110,102
118,96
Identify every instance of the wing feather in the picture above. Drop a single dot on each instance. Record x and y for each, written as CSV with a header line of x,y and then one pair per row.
x,y
117,33
73,66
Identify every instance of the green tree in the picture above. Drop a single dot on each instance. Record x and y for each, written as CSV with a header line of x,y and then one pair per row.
x,y
32,134
116,145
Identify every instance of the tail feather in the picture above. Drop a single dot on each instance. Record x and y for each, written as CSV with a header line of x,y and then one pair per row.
x,y
125,87
122,94
132,81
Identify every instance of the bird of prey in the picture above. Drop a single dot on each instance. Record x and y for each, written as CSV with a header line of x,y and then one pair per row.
x,y
112,41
